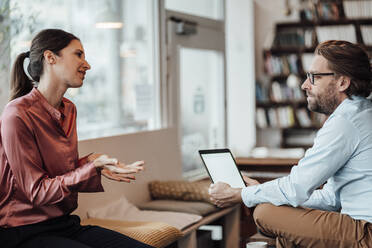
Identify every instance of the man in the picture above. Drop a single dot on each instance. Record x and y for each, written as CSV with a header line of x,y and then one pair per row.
x,y
293,208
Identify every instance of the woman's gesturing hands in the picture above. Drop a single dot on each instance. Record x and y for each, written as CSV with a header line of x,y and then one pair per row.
x,y
114,170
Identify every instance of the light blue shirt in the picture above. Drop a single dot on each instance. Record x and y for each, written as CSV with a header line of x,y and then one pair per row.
x,y
341,156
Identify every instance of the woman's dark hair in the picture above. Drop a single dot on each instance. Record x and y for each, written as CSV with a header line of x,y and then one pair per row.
x,y
348,59
53,40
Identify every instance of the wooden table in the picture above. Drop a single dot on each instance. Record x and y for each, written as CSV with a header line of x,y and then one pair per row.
x,y
265,169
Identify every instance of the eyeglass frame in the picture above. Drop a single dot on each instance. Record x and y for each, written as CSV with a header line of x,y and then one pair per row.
x,y
311,75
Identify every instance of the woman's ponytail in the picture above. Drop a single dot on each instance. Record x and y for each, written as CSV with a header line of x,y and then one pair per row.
x,y
53,40
20,84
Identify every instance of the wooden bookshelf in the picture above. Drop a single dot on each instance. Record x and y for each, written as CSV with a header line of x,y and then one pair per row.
x,y
283,59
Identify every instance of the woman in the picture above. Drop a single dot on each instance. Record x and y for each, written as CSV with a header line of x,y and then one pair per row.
x,y
41,173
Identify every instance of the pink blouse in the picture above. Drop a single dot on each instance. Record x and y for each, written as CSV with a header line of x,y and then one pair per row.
x,y
40,171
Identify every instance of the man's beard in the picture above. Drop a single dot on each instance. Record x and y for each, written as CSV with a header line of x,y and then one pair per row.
x,y
326,102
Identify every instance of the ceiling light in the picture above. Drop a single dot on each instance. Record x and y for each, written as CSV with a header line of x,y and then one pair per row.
x,y
108,19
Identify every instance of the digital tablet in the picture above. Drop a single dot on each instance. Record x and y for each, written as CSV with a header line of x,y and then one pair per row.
x,y
221,167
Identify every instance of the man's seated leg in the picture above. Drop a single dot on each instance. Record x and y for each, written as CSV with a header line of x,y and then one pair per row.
x,y
303,227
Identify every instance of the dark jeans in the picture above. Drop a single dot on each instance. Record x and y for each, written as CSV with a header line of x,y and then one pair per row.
x,y
65,232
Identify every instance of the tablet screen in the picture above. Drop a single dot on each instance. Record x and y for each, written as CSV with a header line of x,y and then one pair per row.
x,y
221,167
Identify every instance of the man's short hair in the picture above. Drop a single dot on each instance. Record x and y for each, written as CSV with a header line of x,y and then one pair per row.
x,y
351,60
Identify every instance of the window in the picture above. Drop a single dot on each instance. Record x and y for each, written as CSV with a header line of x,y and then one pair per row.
x,y
213,9
120,92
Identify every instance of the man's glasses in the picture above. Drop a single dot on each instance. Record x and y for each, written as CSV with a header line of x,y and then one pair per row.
x,y
311,75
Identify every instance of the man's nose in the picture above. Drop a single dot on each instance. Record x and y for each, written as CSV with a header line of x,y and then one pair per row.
x,y
306,84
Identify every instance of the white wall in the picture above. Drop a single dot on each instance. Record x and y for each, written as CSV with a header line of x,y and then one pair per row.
x,y
240,76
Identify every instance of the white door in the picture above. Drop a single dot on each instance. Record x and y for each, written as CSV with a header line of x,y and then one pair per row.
x,y
196,79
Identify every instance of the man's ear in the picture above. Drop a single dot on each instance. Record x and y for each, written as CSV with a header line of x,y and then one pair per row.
x,y
49,57
344,83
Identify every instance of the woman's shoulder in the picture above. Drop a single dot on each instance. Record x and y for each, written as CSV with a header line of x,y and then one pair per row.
x,y
17,108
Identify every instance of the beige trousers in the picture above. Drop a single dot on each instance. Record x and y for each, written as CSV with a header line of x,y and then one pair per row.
x,y
304,227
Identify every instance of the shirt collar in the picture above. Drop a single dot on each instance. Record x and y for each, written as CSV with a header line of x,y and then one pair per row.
x,y
55,113
345,103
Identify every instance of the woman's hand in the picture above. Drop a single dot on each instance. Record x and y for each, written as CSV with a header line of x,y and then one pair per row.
x,y
114,170
122,172
101,160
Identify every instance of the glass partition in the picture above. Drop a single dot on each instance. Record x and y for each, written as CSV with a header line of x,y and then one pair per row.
x,y
202,104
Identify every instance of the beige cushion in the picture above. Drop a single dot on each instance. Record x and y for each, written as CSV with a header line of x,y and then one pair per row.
x,y
156,234
199,208
180,190
123,210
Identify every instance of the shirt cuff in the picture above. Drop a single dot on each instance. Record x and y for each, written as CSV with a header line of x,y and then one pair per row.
x,y
249,195
85,178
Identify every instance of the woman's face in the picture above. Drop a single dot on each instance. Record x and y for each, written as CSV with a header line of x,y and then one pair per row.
x,y
71,65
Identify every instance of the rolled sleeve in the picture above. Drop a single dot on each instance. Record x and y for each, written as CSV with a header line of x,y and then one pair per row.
x,y
333,147
249,196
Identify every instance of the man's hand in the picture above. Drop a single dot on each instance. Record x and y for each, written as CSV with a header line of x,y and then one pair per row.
x,y
250,181
222,195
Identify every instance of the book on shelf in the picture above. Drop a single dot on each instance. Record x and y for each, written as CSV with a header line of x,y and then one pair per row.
x,y
309,37
261,119
303,117
276,92
328,10
358,9
261,93
285,117
294,37
318,119
289,116
339,32
281,65
293,63
282,92
320,10
300,138
281,117
366,32
307,59
273,117
294,86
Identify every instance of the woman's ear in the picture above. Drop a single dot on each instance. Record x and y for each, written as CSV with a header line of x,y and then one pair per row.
x,y
49,57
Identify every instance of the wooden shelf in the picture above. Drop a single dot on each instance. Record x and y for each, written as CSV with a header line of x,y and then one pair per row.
x,y
290,50
305,146
301,128
272,104
262,166
280,162
310,24
283,77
